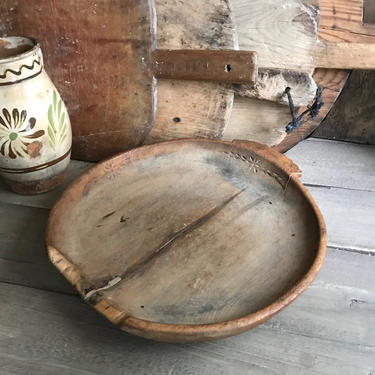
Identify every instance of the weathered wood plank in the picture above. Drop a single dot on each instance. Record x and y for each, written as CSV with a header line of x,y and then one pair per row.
x,y
335,164
328,330
349,216
255,119
346,42
284,33
23,259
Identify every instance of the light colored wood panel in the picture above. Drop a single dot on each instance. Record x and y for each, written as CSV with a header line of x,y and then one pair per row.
x,y
206,115
45,200
284,33
257,120
346,55
326,331
349,215
335,164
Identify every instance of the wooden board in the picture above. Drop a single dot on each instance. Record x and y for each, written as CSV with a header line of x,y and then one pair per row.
x,y
166,273
339,164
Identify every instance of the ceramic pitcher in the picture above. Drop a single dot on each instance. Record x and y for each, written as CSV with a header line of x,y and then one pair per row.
x,y
35,131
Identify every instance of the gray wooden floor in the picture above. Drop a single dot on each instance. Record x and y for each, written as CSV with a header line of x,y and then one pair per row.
x,y
46,329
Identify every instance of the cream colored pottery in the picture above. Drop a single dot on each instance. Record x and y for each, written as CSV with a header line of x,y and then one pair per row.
x,y
35,131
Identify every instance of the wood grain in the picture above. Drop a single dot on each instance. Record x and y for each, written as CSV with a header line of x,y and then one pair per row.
x,y
185,109
22,257
251,119
352,117
271,86
258,120
175,280
339,164
284,33
225,66
95,59
333,203
265,122
188,109
346,42
326,331
91,54
332,81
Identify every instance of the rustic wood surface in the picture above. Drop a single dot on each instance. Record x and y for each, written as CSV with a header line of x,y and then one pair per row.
x,y
187,109
177,208
347,43
226,66
184,108
90,65
271,86
332,81
328,330
95,67
352,117
293,25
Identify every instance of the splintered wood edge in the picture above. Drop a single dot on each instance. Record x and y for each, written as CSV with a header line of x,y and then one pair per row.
x,y
195,332
333,82
75,277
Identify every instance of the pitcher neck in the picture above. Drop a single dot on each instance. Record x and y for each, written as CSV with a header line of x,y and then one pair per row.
x,y
20,59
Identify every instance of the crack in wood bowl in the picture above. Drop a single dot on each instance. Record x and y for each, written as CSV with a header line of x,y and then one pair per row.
x,y
188,240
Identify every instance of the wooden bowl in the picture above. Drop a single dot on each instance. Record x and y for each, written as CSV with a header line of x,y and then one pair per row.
x,y
188,240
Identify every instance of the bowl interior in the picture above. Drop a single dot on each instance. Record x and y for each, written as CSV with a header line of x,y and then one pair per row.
x,y
194,233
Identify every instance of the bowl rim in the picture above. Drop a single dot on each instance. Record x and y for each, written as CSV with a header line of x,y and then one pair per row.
x,y
194,332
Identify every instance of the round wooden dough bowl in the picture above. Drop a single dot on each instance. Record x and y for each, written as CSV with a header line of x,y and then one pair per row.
x,y
188,240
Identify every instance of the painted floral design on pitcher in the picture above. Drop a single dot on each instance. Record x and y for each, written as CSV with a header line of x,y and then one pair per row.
x,y
16,133
35,131
57,128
